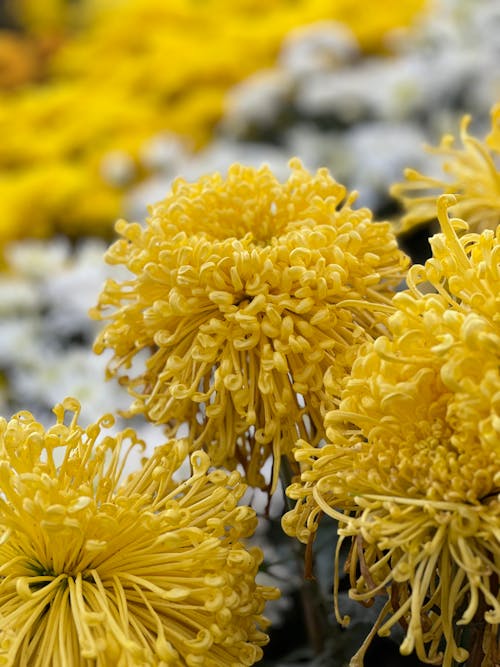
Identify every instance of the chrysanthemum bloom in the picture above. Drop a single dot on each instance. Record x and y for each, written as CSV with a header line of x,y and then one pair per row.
x,y
243,292
98,571
411,471
474,178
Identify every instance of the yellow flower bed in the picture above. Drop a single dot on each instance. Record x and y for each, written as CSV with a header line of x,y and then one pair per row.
x,y
139,67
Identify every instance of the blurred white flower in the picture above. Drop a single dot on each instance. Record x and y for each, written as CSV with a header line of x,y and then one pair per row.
x,y
165,153
35,259
45,332
376,154
258,100
118,168
18,342
72,290
53,374
16,295
321,46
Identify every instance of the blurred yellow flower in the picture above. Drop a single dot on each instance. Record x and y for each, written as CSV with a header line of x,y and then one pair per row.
x,y
96,569
134,69
412,469
493,139
243,292
41,18
18,60
474,178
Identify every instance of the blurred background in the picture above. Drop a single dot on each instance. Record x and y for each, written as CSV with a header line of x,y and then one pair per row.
x,y
104,102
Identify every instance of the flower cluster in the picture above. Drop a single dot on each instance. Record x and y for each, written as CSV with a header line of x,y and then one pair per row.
x,y
116,67
243,292
99,568
411,471
475,175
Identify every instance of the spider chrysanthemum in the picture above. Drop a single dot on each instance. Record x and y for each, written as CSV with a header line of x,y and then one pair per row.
x,y
243,291
411,471
95,571
472,174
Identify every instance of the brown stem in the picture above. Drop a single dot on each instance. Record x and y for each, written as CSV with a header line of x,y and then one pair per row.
x,y
477,655
315,616
313,606
288,470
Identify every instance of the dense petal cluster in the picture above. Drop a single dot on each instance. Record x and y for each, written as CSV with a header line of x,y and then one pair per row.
x,y
244,291
96,570
411,471
474,178
114,60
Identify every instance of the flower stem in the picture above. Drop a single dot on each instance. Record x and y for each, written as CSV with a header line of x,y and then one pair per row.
x,y
484,645
476,653
313,604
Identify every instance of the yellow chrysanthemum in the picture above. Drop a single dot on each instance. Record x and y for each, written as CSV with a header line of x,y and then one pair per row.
x,y
99,571
474,180
243,292
412,469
